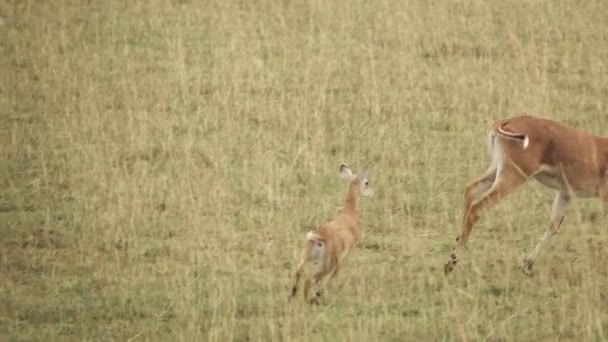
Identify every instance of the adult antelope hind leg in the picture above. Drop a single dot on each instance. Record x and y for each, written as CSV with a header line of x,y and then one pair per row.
x,y
561,202
507,180
472,192
477,187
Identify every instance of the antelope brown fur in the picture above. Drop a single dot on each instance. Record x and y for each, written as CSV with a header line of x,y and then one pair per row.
x,y
563,158
326,248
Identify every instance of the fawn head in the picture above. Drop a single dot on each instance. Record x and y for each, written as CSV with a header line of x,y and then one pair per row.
x,y
359,180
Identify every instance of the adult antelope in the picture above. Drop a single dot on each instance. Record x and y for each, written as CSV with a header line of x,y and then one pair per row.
x,y
326,248
567,159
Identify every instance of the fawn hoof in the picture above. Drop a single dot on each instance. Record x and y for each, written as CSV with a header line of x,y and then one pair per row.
x,y
527,267
293,293
314,300
449,266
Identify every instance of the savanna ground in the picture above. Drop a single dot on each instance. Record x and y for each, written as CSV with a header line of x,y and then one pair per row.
x,y
161,162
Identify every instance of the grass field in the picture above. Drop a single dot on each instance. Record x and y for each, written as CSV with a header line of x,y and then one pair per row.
x,y
161,162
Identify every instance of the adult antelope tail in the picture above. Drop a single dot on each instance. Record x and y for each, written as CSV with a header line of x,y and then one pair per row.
x,y
520,137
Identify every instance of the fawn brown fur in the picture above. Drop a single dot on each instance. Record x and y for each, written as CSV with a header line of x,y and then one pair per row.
x,y
326,248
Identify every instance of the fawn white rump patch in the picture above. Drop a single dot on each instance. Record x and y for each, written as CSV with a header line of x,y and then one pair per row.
x,y
312,236
317,251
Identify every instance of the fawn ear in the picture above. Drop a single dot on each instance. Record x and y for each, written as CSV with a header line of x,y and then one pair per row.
x,y
346,173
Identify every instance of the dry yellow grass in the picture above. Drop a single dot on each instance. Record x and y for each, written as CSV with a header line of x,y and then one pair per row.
x,y
161,162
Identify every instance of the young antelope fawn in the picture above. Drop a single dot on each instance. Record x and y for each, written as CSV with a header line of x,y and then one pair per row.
x,y
563,158
326,248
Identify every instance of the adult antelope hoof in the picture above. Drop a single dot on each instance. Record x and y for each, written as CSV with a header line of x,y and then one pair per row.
x,y
527,267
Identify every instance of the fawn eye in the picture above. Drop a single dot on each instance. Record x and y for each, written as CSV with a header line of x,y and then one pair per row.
x,y
366,183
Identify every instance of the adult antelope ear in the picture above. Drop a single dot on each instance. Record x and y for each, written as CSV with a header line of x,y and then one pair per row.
x,y
346,173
